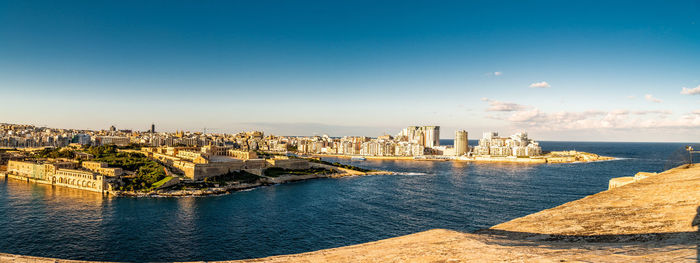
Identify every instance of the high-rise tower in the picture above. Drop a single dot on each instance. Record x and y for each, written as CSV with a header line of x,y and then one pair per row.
x,y
432,136
461,142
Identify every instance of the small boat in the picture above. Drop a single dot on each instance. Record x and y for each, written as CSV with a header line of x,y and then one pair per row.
x,y
358,158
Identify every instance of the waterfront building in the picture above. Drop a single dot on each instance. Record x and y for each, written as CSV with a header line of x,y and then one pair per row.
x,y
37,170
408,149
79,179
426,136
461,143
533,149
446,150
30,169
58,173
417,150
517,145
432,136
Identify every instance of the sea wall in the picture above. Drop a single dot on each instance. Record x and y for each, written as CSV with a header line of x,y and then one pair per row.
x,y
67,185
291,178
621,181
507,160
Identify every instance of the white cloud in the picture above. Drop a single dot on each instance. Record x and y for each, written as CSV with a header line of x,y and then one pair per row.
x,y
525,116
616,119
542,84
651,98
563,120
645,112
495,105
693,91
497,73
631,97
620,112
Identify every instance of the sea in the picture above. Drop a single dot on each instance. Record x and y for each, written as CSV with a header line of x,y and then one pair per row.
x,y
40,220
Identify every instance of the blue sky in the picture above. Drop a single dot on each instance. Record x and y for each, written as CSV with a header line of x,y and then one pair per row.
x,y
356,68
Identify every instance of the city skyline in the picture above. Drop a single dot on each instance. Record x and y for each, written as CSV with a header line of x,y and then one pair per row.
x,y
624,71
399,132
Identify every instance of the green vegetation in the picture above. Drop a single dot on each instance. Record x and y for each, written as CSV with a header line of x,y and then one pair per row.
x,y
146,171
54,153
161,182
337,164
239,176
132,146
276,171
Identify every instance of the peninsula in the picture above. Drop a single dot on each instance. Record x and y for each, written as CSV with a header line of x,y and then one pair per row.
x,y
423,143
165,171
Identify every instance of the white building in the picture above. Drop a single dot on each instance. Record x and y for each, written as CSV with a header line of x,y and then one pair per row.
x,y
518,145
426,136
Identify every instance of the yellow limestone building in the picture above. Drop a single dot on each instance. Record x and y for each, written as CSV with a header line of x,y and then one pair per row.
x,y
59,173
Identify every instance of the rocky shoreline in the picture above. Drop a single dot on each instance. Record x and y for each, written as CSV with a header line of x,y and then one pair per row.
x,y
235,187
188,192
230,187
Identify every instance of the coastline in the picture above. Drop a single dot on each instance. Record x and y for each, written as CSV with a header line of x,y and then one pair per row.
x,y
551,158
264,181
227,189
648,220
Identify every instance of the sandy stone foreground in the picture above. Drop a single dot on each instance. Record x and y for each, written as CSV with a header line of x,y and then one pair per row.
x,y
653,220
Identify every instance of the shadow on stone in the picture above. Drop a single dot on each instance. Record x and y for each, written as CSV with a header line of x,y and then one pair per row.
x,y
625,243
696,222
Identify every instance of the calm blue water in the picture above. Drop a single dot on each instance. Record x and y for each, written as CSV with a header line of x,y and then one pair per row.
x,y
305,216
